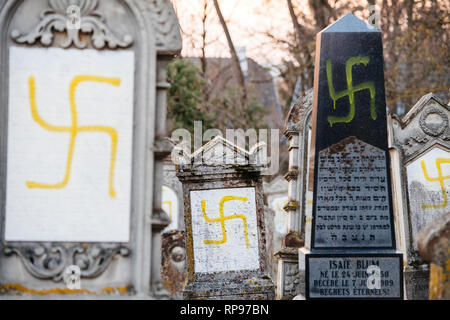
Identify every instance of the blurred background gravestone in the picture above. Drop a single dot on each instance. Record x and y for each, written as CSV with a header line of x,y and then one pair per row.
x,y
420,155
225,223
83,107
434,246
276,197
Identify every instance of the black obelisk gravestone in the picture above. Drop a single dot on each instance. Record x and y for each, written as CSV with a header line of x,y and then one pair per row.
x,y
353,241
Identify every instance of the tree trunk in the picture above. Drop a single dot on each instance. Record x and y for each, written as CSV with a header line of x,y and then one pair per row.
x,y
240,74
203,60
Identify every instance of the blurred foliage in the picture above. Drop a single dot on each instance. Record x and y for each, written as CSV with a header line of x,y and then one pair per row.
x,y
185,95
190,100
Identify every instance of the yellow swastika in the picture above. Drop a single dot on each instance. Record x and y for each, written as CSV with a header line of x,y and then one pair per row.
x,y
439,178
74,129
222,218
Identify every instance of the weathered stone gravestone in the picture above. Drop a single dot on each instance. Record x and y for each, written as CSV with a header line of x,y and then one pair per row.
x,y
290,280
352,240
83,86
434,246
421,166
224,219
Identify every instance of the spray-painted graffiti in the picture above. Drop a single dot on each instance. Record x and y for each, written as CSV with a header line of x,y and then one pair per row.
x,y
350,92
223,218
74,129
224,230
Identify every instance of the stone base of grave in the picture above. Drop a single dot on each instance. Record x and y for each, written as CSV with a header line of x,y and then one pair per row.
x,y
417,282
290,280
350,275
247,287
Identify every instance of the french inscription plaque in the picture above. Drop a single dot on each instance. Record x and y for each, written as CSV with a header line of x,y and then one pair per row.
x,y
354,276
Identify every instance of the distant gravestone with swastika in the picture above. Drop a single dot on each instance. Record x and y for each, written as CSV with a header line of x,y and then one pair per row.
x,y
353,241
225,225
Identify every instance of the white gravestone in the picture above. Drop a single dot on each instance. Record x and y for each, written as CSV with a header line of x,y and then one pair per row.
x,y
70,126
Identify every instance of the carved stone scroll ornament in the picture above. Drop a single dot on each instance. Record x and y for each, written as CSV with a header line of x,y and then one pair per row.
x,y
430,128
49,261
57,18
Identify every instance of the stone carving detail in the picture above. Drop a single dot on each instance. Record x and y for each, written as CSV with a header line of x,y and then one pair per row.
x,y
56,18
164,22
49,261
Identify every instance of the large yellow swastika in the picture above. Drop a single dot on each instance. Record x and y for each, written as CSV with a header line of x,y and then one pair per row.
x,y
222,218
439,178
74,129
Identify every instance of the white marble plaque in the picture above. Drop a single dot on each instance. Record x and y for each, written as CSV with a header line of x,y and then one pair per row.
x,y
224,230
428,188
70,127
